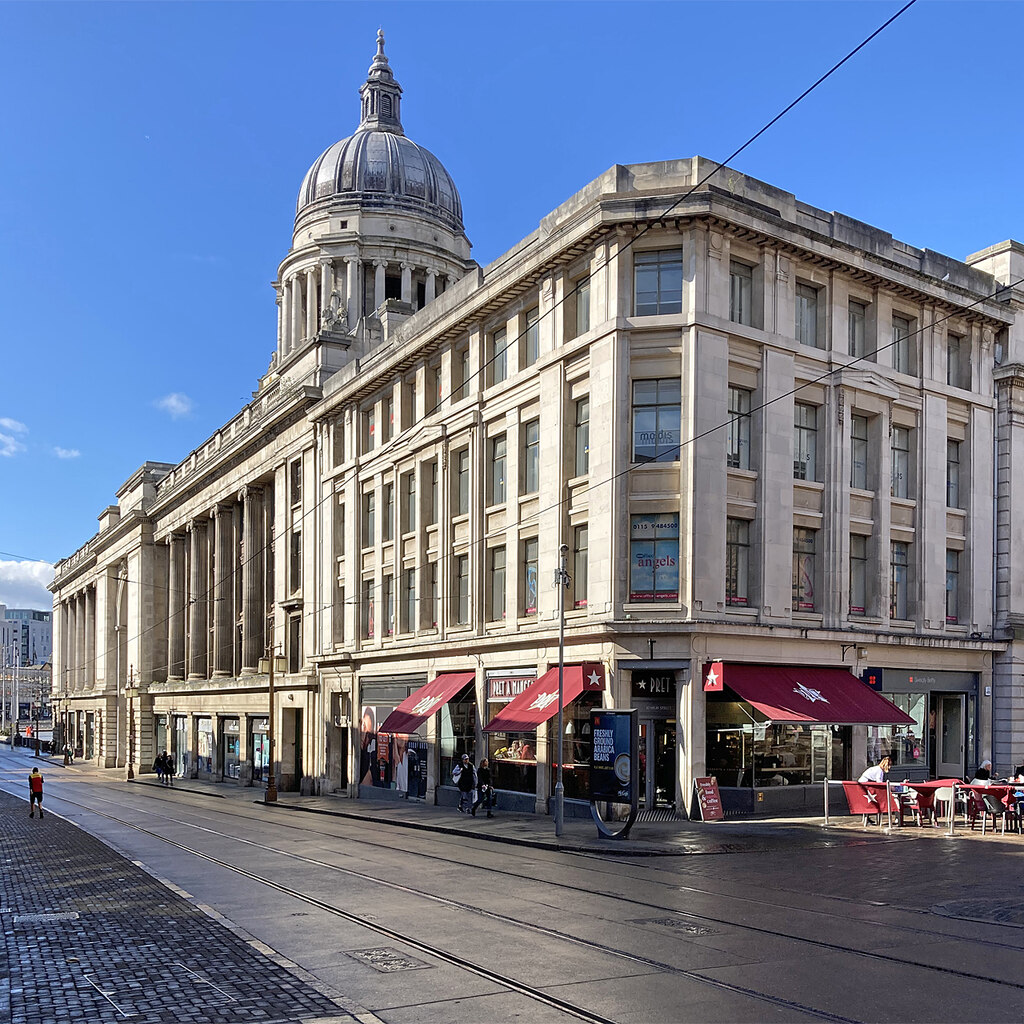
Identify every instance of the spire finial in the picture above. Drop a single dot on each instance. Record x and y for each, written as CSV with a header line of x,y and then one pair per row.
x,y
380,43
381,95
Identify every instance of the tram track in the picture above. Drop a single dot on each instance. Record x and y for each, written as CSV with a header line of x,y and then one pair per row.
x,y
552,933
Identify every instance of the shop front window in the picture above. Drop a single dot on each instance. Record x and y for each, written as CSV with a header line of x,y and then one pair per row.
x,y
230,746
512,755
457,732
905,745
576,746
742,752
260,750
205,745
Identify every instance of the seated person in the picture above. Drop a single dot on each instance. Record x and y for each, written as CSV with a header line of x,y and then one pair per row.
x,y
982,774
878,772
526,753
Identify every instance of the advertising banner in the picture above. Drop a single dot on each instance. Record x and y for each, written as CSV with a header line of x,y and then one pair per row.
x,y
709,799
613,756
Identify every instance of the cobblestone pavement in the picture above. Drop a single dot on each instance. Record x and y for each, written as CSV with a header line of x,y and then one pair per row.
x,y
89,937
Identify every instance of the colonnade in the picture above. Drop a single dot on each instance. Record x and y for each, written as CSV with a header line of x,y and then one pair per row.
x,y
304,295
215,628
77,624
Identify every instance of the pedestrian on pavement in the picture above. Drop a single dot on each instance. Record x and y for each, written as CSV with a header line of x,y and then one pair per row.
x,y
467,784
158,767
168,770
483,781
69,756
35,793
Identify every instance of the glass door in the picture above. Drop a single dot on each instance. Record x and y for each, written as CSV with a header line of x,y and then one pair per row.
x,y
949,736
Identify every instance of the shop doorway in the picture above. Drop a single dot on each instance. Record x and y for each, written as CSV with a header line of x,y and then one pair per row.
x,y
949,736
657,763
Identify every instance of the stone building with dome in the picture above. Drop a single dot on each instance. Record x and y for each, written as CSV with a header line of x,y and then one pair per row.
x,y
762,436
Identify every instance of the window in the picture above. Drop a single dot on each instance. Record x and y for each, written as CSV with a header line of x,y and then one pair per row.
x,y
807,315
339,531
580,550
900,462
654,557
294,643
499,356
858,575
582,466
409,501
898,569
461,368
805,442
531,339
366,610
370,429
738,452
462,482
296,482
338,433
388,526
952,587
741,292
531,457
369,513
658,282
953,474
295,561
430,605
737,562
958,362
583,306
432,510
496,590
389,605
497,480
388,426
408,601
461,594
804,569
859,452
901,344
338,618
857,325
530,581
656,419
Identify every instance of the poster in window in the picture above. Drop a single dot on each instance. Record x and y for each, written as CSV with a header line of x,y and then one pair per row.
x,y
368,773
531,588
654,557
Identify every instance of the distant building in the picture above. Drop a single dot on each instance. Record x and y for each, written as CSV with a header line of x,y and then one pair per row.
x,y
778,445
28,633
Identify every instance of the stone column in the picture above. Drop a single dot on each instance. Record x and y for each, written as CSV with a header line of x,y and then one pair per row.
x,y
80,642
89,659
71,655
223,562
407,283
355,292
176,608
312,311
285,330
279,302
197,635
252,578
296,330
326,283
431,290
379,268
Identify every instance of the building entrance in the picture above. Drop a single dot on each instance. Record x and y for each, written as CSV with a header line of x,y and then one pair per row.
x,y
949,736
657,762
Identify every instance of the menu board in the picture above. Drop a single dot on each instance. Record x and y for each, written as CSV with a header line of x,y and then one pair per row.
x,y
709,799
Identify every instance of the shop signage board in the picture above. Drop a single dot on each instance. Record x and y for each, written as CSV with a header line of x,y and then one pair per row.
x,y
709,799
504,688
614,765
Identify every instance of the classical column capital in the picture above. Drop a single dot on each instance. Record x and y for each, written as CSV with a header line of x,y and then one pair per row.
x,y
353,260
250,492
380,263
407,266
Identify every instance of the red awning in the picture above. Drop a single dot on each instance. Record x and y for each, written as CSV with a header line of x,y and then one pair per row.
x,y
833,696
540,702
417,708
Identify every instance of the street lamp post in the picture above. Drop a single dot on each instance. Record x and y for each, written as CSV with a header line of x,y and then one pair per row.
x,y
270,663
561,581
131,691
35,727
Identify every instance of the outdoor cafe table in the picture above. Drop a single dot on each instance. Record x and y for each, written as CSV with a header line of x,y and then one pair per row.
x,y
1005,791
926,793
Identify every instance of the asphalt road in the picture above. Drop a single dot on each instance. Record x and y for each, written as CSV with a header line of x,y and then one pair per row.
x,y
353,918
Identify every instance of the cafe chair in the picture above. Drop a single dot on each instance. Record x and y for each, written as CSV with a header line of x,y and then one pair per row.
x,y
943,800
989,805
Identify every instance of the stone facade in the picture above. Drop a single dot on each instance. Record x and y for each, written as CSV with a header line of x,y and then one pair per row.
x,y
765,433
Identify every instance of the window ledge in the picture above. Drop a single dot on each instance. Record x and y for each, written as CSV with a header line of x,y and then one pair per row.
x,y
811,485
902,624
745,611
532,496
812,618
743,474
458,520
499,506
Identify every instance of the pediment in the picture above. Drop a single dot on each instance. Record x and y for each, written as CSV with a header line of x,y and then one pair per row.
x,y
868,381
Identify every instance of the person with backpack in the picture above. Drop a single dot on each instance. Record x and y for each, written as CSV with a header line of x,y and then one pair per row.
x,y
466,781
158,767
35,793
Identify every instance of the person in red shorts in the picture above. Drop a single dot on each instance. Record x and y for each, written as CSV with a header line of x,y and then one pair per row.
x,y
35,793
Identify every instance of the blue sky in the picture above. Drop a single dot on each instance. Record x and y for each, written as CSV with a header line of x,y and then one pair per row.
x,y
151,153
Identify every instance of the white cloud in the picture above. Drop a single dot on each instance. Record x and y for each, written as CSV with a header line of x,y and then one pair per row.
x,y
23,584
10,445
175,404
66,453
13,425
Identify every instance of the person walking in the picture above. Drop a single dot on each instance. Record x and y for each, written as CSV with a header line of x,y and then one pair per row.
x,y
467,784
168,770
483,781
35,793
158,767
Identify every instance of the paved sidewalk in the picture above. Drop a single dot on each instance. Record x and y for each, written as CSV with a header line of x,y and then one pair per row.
x,y
648,839
90,937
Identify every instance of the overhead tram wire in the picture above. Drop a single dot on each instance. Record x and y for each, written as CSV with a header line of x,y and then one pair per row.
x,y
624,248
